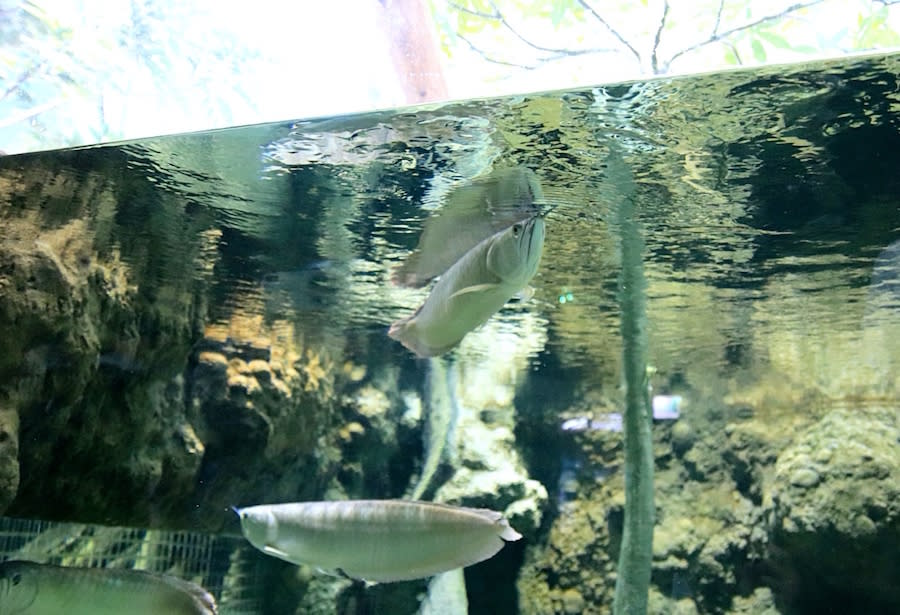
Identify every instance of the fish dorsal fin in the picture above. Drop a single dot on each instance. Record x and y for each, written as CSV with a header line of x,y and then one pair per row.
x,y
477,288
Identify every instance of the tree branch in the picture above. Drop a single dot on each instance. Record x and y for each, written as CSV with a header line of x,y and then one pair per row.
x,y
718,17
488,58
25,76
654,60
499,18
473,12
27,114
718,36
611,30
505,23
734,50
538,61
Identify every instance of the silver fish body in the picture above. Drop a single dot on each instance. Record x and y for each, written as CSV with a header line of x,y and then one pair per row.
x,y
473,289
29,588
473,212
376,540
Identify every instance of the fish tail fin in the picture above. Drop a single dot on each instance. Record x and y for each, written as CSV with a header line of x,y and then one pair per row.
x,y
205,602
406,274
406,332
403,331
509,534
398,330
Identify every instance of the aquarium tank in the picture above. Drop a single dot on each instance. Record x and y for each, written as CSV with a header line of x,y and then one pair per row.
x,y
518,306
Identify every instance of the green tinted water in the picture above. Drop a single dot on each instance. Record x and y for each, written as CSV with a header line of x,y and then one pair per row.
x,y
198,321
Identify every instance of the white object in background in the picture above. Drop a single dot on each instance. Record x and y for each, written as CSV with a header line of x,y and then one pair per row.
x,y
666,407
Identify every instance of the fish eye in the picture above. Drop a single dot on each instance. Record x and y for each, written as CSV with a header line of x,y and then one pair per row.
x,y
517,228
16,578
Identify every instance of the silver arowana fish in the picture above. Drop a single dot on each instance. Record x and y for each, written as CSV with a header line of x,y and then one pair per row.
x,y
473,289
472,213
29,588
376,540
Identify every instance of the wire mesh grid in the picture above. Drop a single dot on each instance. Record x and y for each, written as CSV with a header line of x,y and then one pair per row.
x,y
224,565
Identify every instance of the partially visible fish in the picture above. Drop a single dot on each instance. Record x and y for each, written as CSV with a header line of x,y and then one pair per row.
x,y
439,441
472,213
376,540
30,588
473,289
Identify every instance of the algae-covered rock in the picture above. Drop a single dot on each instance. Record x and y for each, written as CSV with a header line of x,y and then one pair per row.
x,y
710,536
375,439
576,557
93,350
9,455
760,602
490,474
835,512
263,402
132,409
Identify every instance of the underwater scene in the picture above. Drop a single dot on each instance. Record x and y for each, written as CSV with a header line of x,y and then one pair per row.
x,y
404,361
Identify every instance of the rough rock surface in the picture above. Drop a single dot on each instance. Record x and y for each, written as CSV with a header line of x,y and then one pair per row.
x,y
9,455
91,365
835,512
114,383
263,404
710,540
772,511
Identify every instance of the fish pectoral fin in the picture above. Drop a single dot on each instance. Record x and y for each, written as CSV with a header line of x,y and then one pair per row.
x,y
477,288
340,573
525,294
270,550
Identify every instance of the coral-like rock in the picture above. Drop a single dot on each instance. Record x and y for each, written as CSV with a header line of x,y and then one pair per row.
x,y
263,420
835,511
9,456
91,362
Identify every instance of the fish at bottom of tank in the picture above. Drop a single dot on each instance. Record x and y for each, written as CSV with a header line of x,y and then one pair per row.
x,y
377,540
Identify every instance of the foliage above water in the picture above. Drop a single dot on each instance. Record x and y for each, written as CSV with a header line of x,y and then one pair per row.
x,y
70,75
61,57
656,37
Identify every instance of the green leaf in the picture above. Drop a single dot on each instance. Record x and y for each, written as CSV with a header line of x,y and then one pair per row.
x,y
758,52
874,31
730,57
776,40
557,13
